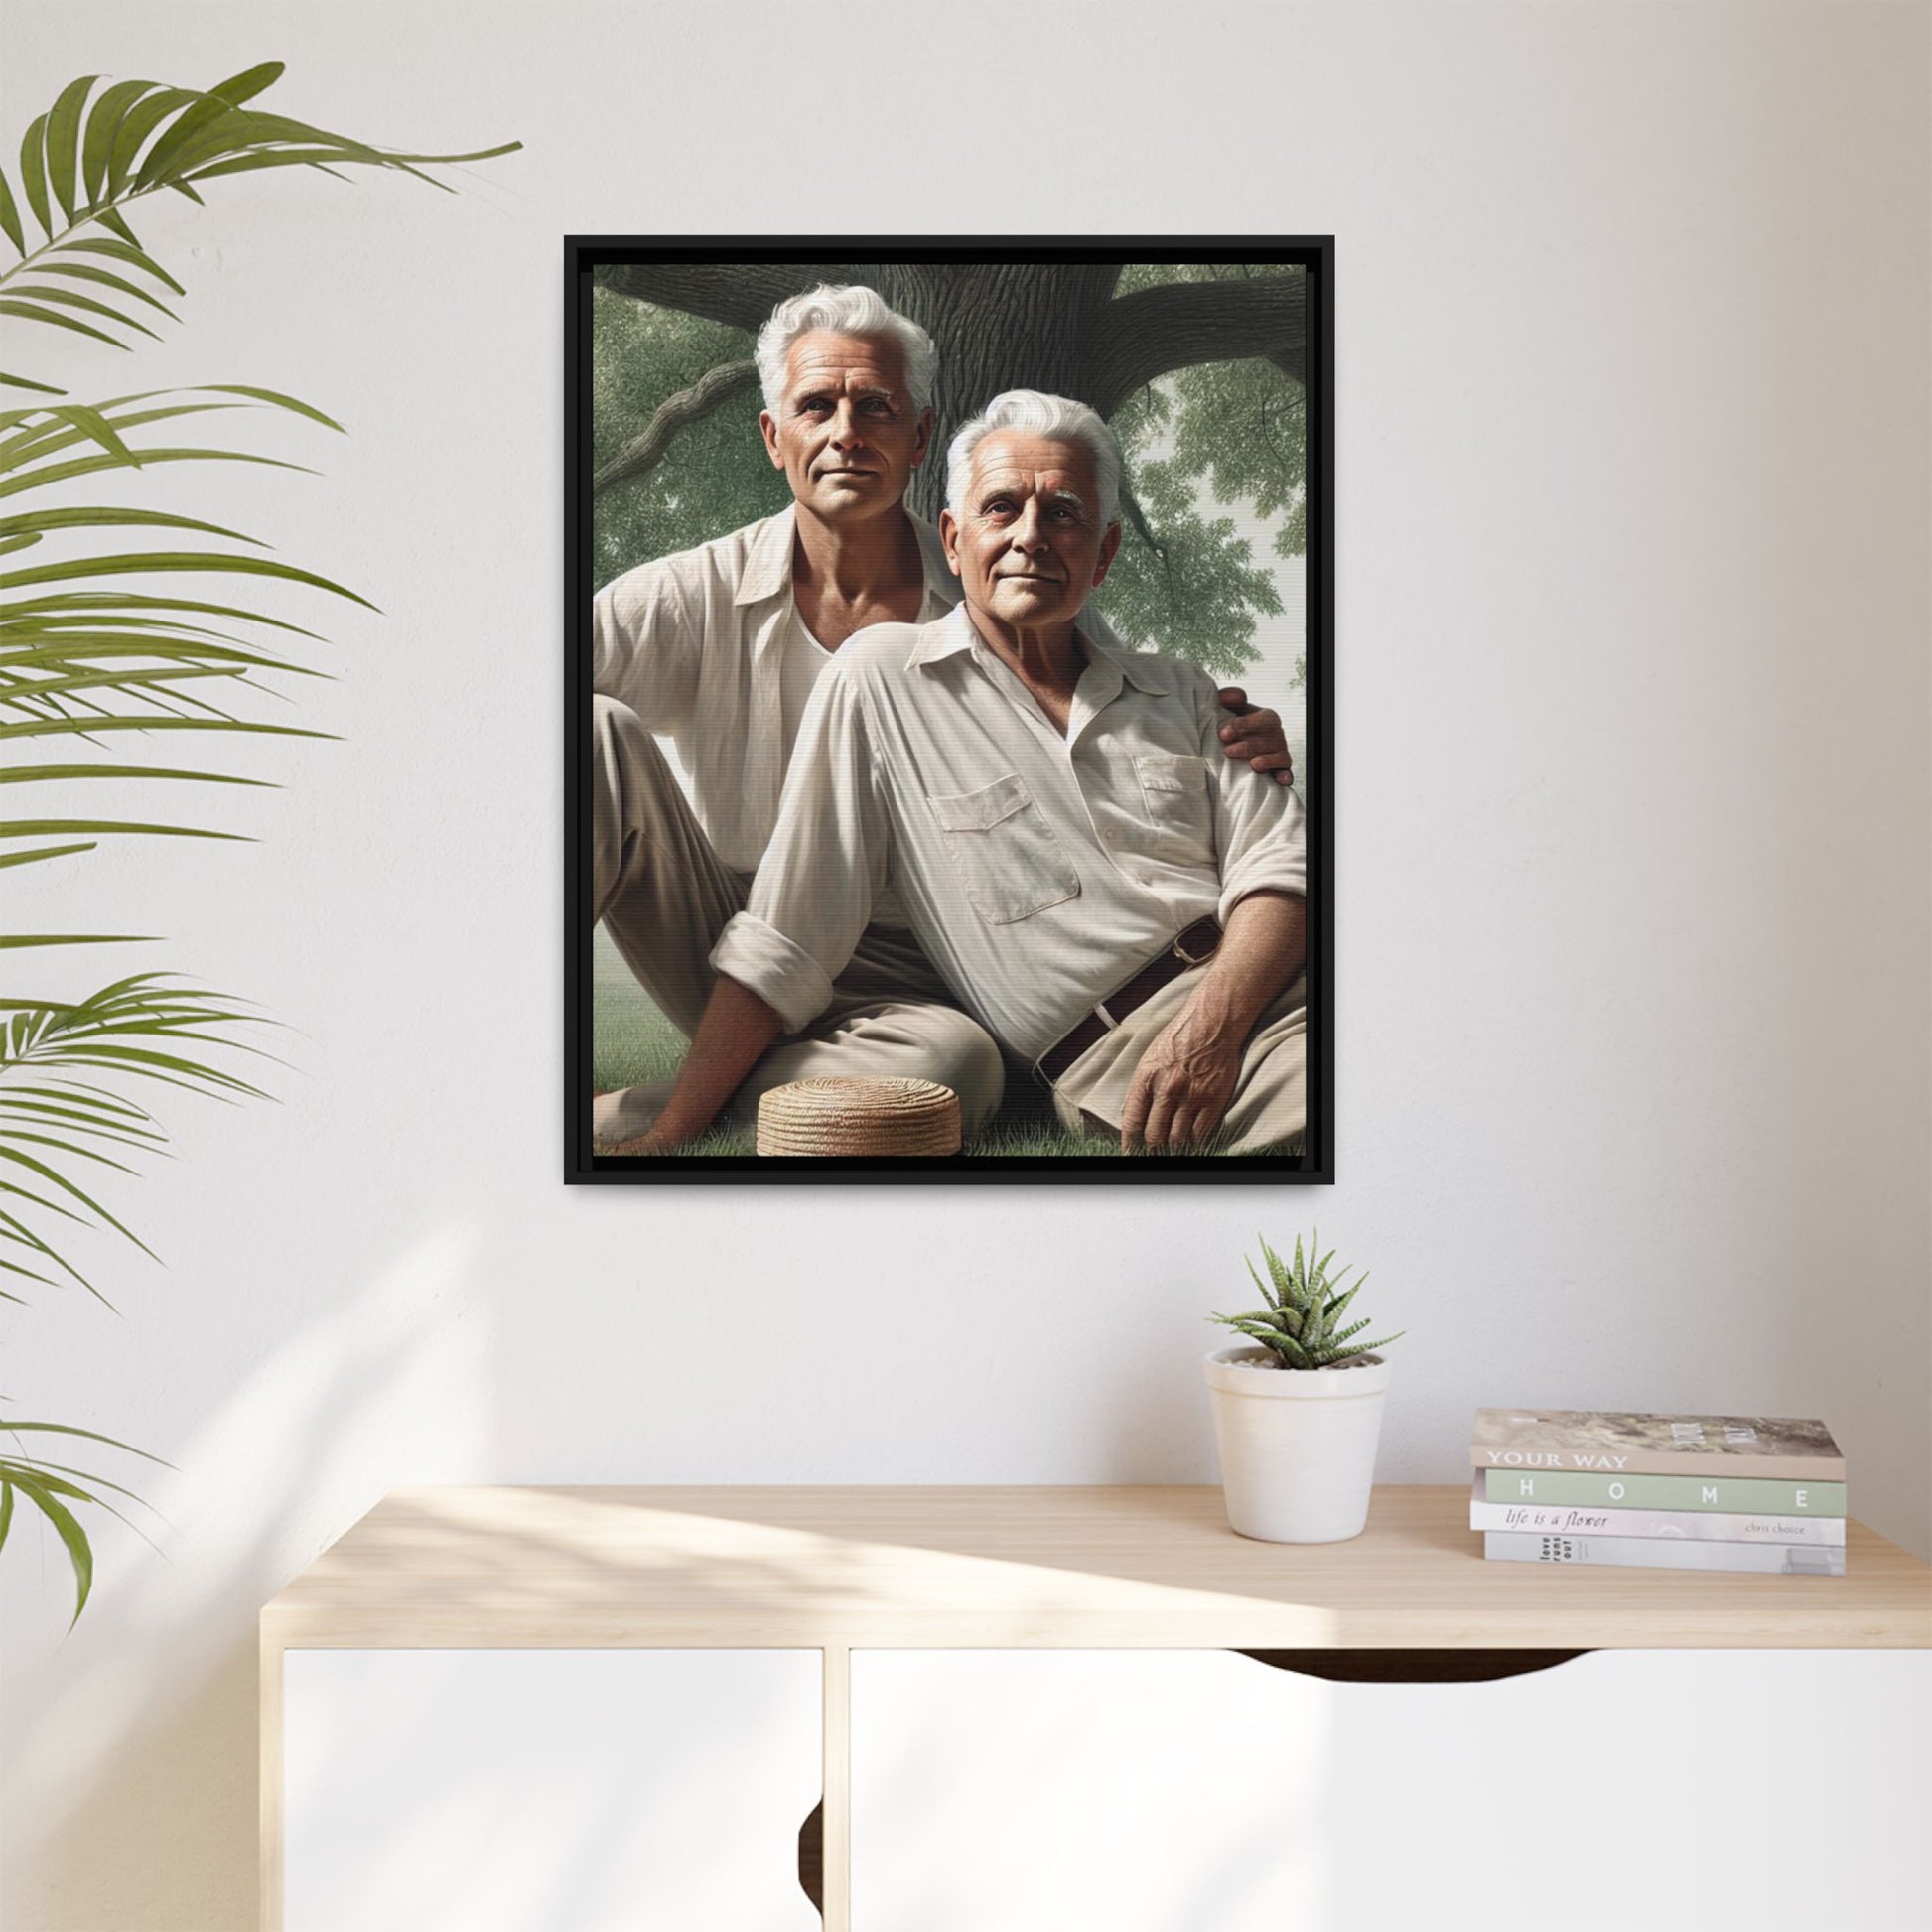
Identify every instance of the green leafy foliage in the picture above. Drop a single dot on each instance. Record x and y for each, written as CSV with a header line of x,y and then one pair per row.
x,y
110,650
1184,582
1242,428
715,476
1186,585
1302,1321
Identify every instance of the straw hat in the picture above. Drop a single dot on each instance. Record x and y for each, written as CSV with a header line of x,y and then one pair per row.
x,y
832,1115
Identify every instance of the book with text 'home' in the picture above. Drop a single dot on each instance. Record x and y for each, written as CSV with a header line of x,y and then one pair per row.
x,y
1649,1552
1740,1495
1621,1443
1683,1525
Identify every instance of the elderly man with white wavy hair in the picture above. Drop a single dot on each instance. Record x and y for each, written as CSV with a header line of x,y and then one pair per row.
x,y
718,648
1115,903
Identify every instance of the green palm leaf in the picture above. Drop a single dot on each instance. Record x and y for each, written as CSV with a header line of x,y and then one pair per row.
x,y
109,828
39,1465
41,521
40,1491
52,1486
41,853
97,646
120,252
82,424
88,465
73,299
136,126
246,84
33,173
29,312
21,941
80,657
274,397
55,645
81,166
107,278
10,216
103,122
148,563
62,774
64,143
44,429
200,114
93,727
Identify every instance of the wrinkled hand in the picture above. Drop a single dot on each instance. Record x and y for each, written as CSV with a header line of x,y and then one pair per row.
x,y
1255,735
1182,1087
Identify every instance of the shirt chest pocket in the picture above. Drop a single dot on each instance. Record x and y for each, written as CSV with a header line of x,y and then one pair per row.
x,y
1004,853
1173,789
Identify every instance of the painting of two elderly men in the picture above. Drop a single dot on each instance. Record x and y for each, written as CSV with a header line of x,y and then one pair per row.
x,y
941,709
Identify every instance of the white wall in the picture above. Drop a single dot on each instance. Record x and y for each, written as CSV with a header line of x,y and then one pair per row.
x,y
1632,819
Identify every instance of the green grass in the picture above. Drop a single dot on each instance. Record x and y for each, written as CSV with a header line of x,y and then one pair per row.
x,y
632,1042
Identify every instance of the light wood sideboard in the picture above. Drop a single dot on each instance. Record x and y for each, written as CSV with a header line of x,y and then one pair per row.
x,y
964,1653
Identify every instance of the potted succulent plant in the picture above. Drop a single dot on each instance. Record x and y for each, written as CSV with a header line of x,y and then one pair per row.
x,y
1297,1414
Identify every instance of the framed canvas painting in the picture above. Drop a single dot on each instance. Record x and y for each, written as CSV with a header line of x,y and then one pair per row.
x,y
948,666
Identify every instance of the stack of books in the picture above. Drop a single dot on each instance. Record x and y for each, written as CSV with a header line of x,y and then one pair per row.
x,y
1664,1492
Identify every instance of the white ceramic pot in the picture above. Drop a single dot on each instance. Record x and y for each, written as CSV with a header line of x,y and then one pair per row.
x,y
1297,1446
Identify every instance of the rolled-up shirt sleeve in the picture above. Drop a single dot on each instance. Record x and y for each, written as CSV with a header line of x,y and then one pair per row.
x,y
1260,830
825,865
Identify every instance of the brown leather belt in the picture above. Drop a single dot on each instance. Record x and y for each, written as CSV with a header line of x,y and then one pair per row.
x,y
1194,948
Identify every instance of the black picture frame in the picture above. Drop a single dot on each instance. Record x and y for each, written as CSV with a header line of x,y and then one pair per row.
x,y
1314,255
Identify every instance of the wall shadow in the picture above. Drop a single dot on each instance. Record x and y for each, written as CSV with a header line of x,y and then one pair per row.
x,y
163,1839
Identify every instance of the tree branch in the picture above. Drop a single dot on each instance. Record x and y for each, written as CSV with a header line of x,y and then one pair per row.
x,y
1138,518
739,294
1155,331
673,414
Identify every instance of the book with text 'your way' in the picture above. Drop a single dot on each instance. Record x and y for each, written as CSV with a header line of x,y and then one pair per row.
x,y
1623,1442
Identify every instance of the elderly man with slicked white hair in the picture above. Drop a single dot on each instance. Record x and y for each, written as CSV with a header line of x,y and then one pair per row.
x,y
718,648
1115,905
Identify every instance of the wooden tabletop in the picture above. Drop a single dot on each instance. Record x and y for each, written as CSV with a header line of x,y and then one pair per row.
x,y
1024,1566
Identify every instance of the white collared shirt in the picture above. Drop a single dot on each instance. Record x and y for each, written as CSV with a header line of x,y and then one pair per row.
x,y
1038,871
696,645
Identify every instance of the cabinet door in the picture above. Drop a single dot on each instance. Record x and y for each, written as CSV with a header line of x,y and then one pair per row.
x,y
1200,1791
536,1790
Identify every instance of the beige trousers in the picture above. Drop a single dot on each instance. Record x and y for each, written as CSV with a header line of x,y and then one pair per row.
x,y
1269,1104
664,897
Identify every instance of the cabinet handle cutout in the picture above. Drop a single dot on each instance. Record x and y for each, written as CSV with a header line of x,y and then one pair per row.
x,y
1413,1666
811,1858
